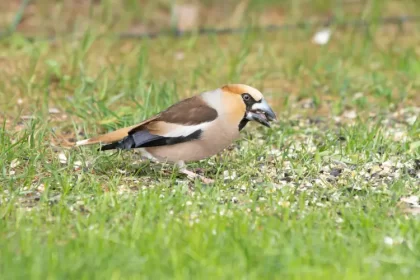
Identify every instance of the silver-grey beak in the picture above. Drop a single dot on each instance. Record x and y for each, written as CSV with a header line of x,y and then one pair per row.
x,y
261,112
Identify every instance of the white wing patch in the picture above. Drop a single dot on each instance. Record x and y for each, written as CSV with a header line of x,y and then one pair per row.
x,y
185,130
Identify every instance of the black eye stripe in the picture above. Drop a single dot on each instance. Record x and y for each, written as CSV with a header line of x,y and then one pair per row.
x,y
248,100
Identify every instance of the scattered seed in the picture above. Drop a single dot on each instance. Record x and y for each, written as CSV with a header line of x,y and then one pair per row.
x,y
62,157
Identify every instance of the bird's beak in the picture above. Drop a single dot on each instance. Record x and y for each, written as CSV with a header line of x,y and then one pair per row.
x,y
261,112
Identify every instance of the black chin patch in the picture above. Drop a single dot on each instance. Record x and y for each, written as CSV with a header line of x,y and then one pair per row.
x,y
243,123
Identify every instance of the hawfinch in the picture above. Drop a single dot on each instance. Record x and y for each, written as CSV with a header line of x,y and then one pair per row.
x,y
192,129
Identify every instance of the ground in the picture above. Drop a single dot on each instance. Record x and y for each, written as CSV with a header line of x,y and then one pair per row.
x,y
330,191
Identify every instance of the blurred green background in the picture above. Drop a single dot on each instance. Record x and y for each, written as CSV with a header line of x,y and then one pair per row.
x,y
45,17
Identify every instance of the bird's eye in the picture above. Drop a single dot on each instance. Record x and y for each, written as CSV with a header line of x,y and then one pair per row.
x,y
246,97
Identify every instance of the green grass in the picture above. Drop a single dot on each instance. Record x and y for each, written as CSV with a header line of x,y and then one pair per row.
x,y
317,196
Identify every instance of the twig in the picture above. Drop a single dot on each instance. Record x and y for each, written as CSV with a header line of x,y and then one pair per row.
x,y
395,20
304,24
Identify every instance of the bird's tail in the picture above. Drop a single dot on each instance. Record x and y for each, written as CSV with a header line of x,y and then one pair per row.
x,y
112,137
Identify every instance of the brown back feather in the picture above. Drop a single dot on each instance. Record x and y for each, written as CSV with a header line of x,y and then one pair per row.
x,y
190,111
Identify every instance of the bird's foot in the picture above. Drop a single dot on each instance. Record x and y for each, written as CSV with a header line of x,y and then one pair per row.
x,y
191,175
198,170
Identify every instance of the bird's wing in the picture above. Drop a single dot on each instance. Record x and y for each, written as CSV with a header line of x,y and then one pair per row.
x,y
181,122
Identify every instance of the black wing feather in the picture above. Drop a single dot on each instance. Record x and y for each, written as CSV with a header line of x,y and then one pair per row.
x,y
143,139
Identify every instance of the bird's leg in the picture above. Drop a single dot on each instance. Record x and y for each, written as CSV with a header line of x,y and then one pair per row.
x,y
191,175
146,156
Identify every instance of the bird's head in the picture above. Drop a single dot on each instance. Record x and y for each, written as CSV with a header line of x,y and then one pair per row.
x,y
249,102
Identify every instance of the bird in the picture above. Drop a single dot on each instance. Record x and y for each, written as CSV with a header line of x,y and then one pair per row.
x,y
193,129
